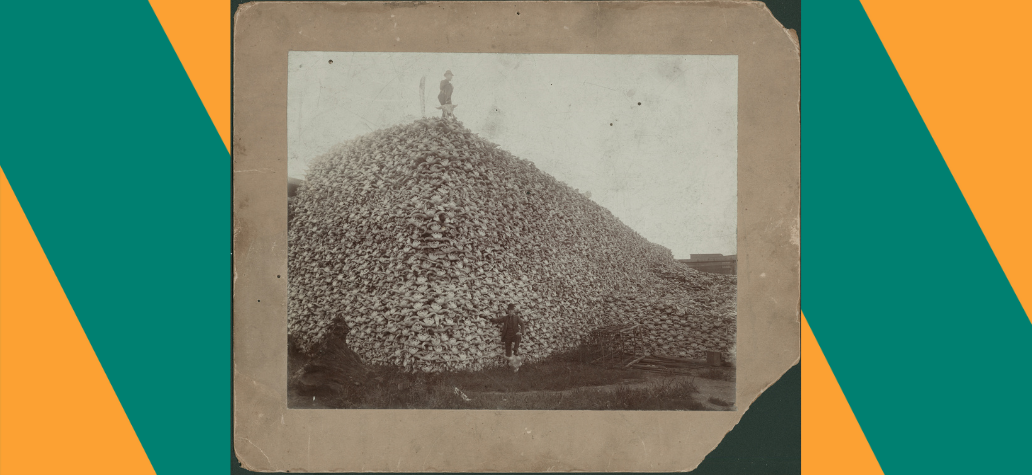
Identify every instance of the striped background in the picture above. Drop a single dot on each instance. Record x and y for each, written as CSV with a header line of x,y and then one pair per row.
x,y
115,243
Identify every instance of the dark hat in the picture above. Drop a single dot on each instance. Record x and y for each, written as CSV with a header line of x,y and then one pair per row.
x,y
448,73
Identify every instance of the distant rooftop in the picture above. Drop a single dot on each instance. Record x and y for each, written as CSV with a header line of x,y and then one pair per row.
x,y
713,263
710,257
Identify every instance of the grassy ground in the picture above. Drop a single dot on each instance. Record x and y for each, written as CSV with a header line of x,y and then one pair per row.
x,y
560,382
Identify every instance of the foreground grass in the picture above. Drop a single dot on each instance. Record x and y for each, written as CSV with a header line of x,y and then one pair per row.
x,y
669,394
560,382
425,393
719,374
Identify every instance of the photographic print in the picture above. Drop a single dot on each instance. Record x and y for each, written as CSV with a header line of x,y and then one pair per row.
x,y
512,231
509,236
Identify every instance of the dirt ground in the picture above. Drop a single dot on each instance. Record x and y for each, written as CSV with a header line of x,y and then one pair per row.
x,y
559,385
707,389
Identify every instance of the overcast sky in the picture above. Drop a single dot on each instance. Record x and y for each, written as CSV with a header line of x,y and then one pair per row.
x,y
653,138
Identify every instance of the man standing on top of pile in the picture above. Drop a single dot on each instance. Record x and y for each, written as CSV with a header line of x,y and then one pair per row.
x,y
445,96
512,330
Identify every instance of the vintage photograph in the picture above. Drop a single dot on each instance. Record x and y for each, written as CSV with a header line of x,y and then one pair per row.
x,y
512,231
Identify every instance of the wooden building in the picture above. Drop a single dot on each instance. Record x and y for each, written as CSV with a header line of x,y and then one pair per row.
x,y
714,263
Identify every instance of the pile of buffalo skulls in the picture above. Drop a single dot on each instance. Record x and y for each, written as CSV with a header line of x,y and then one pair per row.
x,y
412,236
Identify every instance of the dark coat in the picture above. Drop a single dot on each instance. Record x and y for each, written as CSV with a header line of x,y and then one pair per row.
x,y
512,325
446,90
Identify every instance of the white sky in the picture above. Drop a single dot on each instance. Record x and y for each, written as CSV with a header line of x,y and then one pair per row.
x,y
667,168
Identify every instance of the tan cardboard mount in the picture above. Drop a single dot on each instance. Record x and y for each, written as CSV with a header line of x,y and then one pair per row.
x,y
270,437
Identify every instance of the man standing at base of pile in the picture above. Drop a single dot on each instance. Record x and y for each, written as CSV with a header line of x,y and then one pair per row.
x,y
444,97
512,330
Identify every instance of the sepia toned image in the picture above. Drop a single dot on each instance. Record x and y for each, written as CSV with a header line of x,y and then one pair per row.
x,y
512,231
509,236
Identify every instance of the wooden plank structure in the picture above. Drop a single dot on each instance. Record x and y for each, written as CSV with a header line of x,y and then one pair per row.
x,y
664,364
713,358
614,343
623,346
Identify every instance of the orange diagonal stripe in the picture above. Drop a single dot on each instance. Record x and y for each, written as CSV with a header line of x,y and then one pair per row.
x,y
968,72
199,32
58,412
832,439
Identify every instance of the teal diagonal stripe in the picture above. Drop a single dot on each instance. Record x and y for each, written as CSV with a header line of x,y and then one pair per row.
x,y
127,186
928,341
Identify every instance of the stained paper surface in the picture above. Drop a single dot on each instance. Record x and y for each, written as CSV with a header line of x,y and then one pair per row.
x,y
271,38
